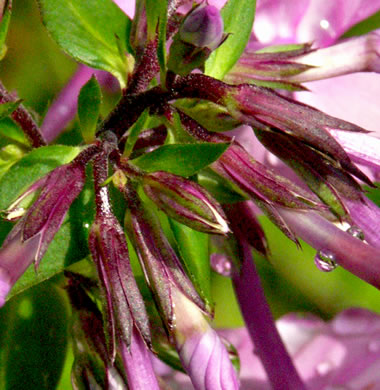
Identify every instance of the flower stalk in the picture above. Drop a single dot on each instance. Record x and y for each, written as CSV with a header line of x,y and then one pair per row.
x,y
260,324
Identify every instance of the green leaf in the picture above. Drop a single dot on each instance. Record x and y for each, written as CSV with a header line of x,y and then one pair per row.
x,y
364,26
90,31
10,131
6,109
32,167
161,45
89,101
181,159
33,339
134,132
4,24
154,10
193,248
9,155
238,16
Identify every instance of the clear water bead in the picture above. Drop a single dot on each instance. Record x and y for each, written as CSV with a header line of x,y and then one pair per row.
x,y
221,264
356,232
325,261
324,368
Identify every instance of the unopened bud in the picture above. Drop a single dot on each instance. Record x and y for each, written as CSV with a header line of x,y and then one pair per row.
x,y
186,201
203,27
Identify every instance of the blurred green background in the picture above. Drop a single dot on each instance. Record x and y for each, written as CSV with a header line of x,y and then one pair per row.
x,y
39,319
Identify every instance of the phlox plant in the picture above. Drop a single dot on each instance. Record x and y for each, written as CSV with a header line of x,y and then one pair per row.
x,y
183,203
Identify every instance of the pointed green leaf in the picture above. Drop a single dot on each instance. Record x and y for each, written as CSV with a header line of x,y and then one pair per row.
x,y
33,340
10,131
161,46
154,9
238,16
134,132
4,24
193,247
89,31
89,101
181,159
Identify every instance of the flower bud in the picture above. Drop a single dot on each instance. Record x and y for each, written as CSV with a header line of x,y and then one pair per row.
x,y
186,202
203,27
202,352
260,183
161,264
264,109
124,302
30,238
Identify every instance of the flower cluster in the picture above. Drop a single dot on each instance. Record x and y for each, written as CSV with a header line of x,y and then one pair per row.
x,y
168,182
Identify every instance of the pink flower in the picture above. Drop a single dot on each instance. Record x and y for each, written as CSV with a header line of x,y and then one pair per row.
x,y
326,354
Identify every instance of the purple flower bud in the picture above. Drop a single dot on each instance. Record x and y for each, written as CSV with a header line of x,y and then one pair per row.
x,y
202,353
264,109
92,367
259,182
203,27
124,302
15,258
277,67
162,267
138,364
30,238
46,214
186,202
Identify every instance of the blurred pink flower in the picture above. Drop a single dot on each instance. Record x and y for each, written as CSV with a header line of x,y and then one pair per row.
x,y
340,354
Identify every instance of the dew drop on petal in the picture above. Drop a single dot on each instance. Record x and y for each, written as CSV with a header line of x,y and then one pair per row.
x,y
374,346
221,264
325,24
324,368
325,261
356,232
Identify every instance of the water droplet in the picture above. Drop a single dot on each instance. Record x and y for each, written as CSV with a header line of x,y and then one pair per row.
x,y
325,24
221,264
325,261
86,225
356,232
324,368
374,346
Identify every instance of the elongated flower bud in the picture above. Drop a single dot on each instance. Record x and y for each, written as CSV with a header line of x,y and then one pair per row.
x,y
202,353
203,27
186,202
123,302
138,364
161,264
15,257
260,182
30,238
264,109
91,368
